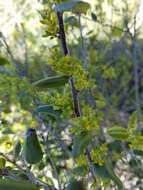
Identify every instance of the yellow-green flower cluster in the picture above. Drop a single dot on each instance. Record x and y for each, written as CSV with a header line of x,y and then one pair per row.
x,y
69,66
49,19
87,123
99,153
137,142
62,101
81,160
109,73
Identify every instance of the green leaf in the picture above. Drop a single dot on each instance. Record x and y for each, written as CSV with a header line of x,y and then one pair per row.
x,y
138,152
118,133
2,162
74,6
80,171
80,143
18,173
7,184
132,123
93,16
17,149
115,147
112,174
49,110
32,151
106,172
76,185
51,82
116,32
72,20
101,172
3,60
7,131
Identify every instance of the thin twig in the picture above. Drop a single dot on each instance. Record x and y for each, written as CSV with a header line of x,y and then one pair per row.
x,y
29,174
8,49
53,165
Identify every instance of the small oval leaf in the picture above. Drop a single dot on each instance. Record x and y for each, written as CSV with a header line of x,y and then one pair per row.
x,y
118,133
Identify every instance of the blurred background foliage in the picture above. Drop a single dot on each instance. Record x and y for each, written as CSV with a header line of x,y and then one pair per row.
x,y
105,42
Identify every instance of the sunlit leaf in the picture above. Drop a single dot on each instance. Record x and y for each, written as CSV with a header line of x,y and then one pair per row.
x,y
116,32
118,133
2,162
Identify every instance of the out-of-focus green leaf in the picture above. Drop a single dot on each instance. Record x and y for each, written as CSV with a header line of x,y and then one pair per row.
x,y
115,146
132,123
51,82
7,131
7,184
74,6
135,164
32,151
80,171
109,167
49,110
76,185
80,143
101,172
93,16
18,173
2,162
106,172
72,20
3,60
118,133
138,152
116,32
17,149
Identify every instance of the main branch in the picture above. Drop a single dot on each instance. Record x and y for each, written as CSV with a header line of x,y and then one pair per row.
x,y
73,89
66,52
